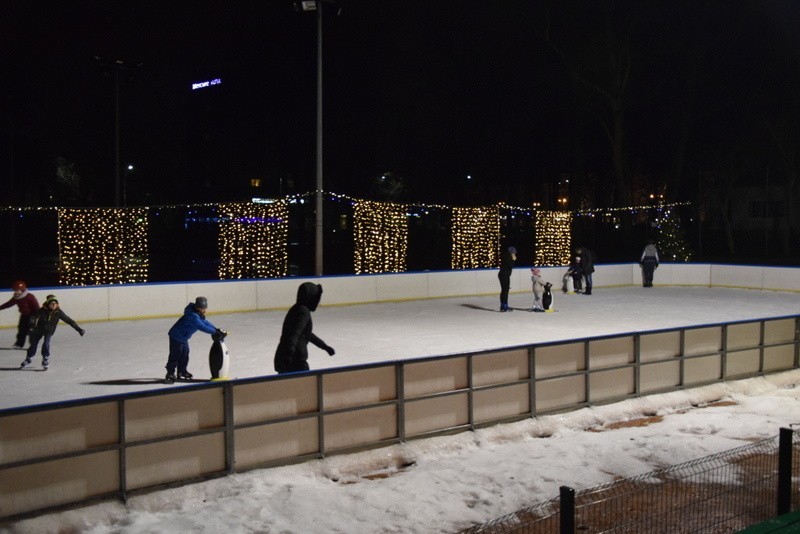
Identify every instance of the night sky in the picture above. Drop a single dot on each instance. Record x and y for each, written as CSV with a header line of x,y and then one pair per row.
x,y
429,91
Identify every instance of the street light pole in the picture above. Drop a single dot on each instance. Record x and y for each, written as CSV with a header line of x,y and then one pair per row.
x,y
319,219
117,178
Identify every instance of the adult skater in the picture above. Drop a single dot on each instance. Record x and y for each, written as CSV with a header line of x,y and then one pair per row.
x,y
587,267
27,305
193,319
44,326
507,260
292,352
649,262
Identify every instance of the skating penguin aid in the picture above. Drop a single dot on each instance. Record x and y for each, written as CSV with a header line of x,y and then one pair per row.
x,y
218,358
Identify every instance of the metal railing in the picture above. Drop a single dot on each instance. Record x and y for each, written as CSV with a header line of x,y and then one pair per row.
x,y
113,446
723,492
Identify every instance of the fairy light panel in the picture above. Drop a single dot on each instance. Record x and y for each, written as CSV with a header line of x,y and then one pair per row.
x,y
553,237
102,246
476,237
253,240
381,237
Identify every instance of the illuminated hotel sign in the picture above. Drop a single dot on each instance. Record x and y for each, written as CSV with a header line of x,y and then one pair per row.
x,y
207,83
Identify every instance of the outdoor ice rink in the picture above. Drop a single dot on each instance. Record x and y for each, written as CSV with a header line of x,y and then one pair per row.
x,y
129,356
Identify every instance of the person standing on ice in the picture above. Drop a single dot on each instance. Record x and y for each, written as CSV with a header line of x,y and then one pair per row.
x,y
507,260
44,326
193,319
28,306
292,352
538,289
587,267
649,262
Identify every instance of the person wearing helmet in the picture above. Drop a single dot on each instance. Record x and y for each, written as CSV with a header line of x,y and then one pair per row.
x,y
28,306
44,326
193,319
292,352
506,266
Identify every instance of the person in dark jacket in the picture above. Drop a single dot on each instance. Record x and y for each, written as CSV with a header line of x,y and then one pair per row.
x,y
506,266
28,307
44,326
292,352
193,319
587,267
649,262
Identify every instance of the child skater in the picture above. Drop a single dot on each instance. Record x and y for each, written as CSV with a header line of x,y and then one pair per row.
x,y
28,306
193,319
573,273
539,287
44,326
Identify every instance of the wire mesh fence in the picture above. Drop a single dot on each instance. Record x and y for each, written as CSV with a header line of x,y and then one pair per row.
x,y
721,493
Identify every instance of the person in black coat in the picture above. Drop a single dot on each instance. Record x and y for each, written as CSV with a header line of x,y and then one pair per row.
x,y
292,352
587,267
506,266
44,326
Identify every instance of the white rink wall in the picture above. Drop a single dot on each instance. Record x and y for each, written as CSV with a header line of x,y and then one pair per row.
x,y
102,303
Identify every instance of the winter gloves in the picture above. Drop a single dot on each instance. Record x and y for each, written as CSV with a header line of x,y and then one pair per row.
x,y
219,335
81,331
329,350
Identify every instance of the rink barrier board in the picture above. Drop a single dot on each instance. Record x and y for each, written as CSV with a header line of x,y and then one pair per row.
x,y
155,300
59,455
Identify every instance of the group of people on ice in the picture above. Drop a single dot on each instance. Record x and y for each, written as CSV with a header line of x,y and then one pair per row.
x,y
36,323
290,356
578,276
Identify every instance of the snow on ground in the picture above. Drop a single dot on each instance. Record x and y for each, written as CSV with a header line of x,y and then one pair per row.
x,y
441,484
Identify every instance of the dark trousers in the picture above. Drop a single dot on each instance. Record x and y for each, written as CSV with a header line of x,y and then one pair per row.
x,y
648,268
23,329
35,338
505,285
178,356
588,279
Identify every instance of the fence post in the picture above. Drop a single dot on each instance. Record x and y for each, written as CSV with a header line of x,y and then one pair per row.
x,y
785,471
567,514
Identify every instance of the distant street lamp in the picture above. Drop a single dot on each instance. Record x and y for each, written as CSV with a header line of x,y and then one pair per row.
x,y
118,66
306,6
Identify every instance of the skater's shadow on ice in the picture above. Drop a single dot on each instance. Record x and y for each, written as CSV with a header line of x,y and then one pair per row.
x,y
481,308
18,368
127,382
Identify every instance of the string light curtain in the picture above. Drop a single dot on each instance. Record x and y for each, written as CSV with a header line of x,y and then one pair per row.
x,y
102,246
381,237
253,240
553,237
476,237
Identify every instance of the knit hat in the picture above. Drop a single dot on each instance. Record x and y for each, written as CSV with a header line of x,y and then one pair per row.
x,y
49,299
512,250
19,285
201,302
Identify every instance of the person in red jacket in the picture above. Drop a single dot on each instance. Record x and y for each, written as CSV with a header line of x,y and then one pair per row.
x,y
28,306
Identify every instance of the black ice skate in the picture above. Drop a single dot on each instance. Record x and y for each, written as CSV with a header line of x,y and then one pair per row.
x,y
169,379
185,376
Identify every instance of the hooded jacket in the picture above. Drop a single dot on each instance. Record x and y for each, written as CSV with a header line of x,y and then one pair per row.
x,y
189,323
292,352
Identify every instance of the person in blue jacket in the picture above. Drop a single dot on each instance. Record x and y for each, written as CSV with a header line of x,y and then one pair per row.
x,y
193,319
